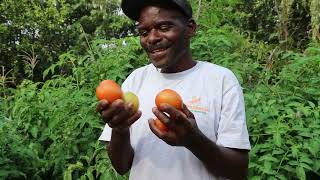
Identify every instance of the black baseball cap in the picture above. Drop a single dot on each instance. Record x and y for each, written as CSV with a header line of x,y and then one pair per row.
x,y
132,8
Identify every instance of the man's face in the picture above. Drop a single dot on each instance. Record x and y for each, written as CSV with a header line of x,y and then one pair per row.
x,y
163,36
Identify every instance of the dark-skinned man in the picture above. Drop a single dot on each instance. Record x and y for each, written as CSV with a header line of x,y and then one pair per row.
x,y
208,139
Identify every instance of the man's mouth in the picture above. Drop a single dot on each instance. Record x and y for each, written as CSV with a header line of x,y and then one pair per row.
x,y
159,53
158,50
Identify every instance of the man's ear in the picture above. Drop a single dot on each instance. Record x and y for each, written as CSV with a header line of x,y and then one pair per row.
x,y
192,28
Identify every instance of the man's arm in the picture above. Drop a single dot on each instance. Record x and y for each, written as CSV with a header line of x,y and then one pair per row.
x,y
221,161
120,151
119,116
183,131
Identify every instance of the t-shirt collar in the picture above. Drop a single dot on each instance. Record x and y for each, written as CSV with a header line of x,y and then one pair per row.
x,y
177,75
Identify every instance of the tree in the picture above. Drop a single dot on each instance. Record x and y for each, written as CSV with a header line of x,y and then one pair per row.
x,y
47,28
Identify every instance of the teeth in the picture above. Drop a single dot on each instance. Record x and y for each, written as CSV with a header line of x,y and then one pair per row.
x,y
158,50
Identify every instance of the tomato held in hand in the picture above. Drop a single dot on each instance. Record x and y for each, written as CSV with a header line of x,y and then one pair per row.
x,y
109,90
130,97
160,125
170,97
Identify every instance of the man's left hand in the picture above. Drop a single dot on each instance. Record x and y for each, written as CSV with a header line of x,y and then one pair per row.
x,y
181,124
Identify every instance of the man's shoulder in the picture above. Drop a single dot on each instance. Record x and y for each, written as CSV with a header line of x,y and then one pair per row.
x,y
136,78
215,70
139,74
142,70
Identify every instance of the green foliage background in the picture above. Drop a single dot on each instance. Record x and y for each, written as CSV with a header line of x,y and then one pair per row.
x,y
59,50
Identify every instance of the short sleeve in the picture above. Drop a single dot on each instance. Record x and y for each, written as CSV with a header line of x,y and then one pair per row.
x,y
232,130
106,134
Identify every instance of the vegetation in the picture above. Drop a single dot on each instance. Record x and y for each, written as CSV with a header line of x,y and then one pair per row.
x,y
55,52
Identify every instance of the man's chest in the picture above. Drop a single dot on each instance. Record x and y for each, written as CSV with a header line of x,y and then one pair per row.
x,y
203,100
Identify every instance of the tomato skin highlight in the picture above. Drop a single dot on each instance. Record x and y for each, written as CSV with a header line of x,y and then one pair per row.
x,y
109,90
162,127
169,96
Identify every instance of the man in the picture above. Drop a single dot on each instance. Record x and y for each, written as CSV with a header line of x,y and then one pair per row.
x,y
208,139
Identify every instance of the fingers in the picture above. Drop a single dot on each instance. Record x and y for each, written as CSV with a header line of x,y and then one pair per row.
x,y
174,119
167,136
103,104
164,135
113,109
162,116
187,112
134,118
174,114
125,119
118,114
121,116
155,129
169,117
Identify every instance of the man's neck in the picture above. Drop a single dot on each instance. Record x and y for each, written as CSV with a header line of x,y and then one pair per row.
x,y
186,62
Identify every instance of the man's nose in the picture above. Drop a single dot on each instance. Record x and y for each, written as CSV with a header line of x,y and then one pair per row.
x,y
153,37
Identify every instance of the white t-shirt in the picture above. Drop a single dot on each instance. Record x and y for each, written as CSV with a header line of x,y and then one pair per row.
x,y
214,96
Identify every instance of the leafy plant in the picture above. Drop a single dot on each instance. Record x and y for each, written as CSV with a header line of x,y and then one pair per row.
x,y
284,126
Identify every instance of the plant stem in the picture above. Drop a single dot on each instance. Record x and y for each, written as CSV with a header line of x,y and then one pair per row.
x,y
282,161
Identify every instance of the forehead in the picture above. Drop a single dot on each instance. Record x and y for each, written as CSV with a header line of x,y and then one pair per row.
x,y
155,12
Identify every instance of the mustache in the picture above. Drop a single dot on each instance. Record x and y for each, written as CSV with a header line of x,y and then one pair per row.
x,y
151,48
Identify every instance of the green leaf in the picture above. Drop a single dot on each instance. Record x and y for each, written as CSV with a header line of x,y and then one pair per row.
x,y
306,159
306,134
106,176
277,139
269,157
295,150
289,169
34,132
277,152
255,178
313,147
317,165
300,173
293,163
89,173
6,173
305,166
267,167
67,175
281,176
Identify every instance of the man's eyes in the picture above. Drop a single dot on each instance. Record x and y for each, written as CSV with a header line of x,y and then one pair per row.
x,y
164,27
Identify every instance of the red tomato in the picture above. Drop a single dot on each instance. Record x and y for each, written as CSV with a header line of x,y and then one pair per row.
x,y
170,97
109,90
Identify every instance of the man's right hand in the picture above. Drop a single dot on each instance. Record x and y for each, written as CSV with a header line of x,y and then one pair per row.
x,y
118,115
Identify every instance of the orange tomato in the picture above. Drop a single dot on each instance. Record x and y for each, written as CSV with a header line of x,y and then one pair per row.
x,y
109,90
170,97
160,125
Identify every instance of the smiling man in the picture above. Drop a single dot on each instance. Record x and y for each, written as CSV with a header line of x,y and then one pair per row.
x,y
165,35
208,139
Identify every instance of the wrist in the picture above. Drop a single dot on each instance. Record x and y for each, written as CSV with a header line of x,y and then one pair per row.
x,y
193,139
120,130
